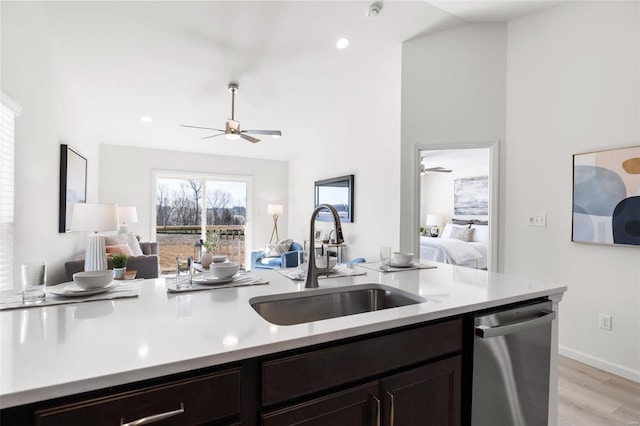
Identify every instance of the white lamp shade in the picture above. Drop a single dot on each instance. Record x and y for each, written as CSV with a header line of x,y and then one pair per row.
x,y
127,214
433,220
94,217
275,209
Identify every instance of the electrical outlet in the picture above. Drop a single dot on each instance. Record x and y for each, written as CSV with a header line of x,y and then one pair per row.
x,y
605,321
537,220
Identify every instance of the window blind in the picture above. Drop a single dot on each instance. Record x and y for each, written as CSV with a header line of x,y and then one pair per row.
x,y
9,109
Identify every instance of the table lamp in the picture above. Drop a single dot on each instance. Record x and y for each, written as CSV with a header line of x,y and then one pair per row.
x,y
275,210
95,218
126,215
433,224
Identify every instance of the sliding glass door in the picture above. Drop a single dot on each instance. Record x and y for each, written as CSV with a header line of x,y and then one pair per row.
x,y
189,208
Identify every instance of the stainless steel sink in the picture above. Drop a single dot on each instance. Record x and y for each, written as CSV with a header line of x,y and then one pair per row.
x,y
315,305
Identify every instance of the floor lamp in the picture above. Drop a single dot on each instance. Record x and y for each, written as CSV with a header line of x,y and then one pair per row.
x,y
95,218
126,215
275,210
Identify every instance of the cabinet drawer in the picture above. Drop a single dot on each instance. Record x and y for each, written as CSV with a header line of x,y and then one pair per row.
x,y
204,398
314,371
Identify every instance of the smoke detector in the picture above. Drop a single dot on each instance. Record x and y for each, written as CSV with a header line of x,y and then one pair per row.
x,y
374,10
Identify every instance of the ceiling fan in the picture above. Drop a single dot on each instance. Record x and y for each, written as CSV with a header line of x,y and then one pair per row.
x,y
434,169
232,127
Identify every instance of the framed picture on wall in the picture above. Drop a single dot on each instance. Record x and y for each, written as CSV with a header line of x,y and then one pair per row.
x,y
73,184
606,197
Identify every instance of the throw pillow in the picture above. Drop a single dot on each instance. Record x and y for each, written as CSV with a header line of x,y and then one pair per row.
x,y
277,249
123,249
134,244
460,233
126,239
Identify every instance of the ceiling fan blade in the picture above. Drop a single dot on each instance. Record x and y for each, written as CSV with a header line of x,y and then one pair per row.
x,y
213,136
198,127
264,132
249,138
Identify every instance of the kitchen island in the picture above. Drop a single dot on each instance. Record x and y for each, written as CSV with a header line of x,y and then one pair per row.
x,y
53,355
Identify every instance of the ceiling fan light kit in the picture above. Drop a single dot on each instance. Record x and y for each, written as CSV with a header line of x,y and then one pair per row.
x,y
232,129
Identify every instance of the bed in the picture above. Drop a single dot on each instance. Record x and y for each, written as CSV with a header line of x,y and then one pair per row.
x,y
452,248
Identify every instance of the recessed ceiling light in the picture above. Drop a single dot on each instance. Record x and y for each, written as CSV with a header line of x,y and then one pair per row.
x,y
146,119
342,43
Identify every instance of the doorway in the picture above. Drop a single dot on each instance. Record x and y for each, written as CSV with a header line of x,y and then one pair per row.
x,y
457,187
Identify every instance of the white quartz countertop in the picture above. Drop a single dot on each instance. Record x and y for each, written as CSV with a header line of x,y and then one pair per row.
x,y
53,351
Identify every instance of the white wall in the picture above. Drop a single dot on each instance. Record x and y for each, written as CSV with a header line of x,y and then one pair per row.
x,y
126,179
32,76
357,134
453,91
573,87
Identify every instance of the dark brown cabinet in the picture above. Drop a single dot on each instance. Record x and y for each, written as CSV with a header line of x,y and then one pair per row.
x,y
427,392
425,396
202,399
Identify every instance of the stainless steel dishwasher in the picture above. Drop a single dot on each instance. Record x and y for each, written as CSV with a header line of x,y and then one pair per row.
x,y
511,357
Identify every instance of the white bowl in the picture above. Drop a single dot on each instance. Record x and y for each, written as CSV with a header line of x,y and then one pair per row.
x,y
89,280
224,270
219,258
321,262
401,258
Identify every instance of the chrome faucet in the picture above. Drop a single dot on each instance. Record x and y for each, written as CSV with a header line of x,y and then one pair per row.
x,y
312,270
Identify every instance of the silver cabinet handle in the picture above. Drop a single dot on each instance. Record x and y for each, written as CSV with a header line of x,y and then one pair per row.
x,y
154,418
486,332
377,410
392,410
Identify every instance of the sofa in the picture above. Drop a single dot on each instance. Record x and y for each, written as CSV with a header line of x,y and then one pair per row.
x,y
147,265
287,259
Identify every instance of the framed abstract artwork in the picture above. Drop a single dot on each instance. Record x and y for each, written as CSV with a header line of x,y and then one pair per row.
x,y
471,196
73,184
606,197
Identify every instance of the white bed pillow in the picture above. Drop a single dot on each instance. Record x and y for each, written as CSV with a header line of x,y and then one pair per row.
x,y
481,233
446,233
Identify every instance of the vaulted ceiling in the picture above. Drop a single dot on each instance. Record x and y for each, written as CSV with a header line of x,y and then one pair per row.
x,y
172,61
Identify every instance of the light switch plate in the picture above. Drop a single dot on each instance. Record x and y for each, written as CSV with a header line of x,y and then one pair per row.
x,y
537,220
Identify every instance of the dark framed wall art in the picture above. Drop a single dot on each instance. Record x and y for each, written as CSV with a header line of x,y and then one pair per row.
x,y
606,197
73,184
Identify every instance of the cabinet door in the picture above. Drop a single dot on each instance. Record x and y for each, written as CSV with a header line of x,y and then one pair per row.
x,y
353,407
424,396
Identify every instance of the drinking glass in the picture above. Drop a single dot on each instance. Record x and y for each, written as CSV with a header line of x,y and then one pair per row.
x,y
385,256
34,278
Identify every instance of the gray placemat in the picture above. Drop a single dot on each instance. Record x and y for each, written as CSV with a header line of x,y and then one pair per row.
x,y
243,279
377,266
126,288
298,274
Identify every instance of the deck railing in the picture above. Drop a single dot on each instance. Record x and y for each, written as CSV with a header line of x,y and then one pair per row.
x,y
231,242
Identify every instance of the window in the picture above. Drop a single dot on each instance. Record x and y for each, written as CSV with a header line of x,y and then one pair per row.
x,y
188,207
9,110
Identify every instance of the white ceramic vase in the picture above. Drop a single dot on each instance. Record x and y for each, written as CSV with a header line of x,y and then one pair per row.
x,y
206,259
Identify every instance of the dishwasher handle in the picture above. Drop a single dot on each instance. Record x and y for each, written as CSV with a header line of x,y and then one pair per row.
x,y
486,332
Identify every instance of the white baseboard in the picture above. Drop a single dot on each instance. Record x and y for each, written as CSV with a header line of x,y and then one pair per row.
x,y
607,366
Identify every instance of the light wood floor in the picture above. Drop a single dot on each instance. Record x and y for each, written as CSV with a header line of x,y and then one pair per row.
x,y
588,396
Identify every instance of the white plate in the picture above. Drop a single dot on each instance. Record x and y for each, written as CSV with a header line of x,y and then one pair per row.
x,y
210,279
401,265
72,290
